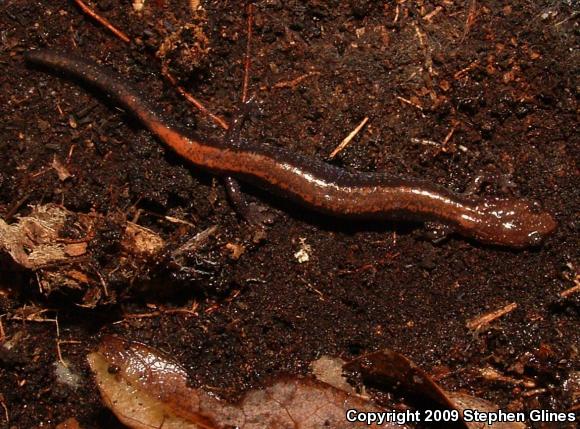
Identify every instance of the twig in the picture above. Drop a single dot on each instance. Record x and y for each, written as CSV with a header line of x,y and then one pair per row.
x,y
313,289
31,317
426,49
431,14
12,211
292,83
177,220
470,20
196,242
211,308
425,142
466,70
2,331
103,282
348,138
70,153
572,16
448,137
573,289
161,311
59,342
491,374
248,53
409,102
484,320
103,21
6,414
570,291
535,392
216,119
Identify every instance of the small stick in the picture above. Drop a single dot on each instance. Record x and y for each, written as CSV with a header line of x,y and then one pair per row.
x,y
409,102
570,291
103,21
470,20
102,280
248,53
431,14
70,153
448,137
2,331
161,311
177,220
491,374
30,316
12,211
535,392
466,70
348,138
3,403
426,49
420,36
425,142
484,320
216,119
573,289
59,354
211,308
292,83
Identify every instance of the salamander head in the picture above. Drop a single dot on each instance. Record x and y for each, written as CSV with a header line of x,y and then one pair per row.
x,y
513,223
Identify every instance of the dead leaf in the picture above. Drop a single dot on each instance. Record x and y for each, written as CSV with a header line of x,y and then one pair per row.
x,y
389,368
144,388
60,169
328,369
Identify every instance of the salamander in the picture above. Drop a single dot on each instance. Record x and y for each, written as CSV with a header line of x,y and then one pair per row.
x,y
317,185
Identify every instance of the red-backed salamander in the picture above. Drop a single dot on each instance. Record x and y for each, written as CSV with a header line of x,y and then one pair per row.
x,y
320,186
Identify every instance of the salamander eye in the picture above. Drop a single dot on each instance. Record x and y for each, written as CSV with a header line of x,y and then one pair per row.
x,y
534,238
535,207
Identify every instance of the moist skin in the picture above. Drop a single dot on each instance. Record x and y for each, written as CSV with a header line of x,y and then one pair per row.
x,y
509,222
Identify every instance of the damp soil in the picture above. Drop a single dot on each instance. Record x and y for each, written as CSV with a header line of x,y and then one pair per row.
x,y
451,89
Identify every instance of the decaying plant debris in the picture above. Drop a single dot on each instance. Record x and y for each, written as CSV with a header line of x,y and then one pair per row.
x,y
56,244
145,388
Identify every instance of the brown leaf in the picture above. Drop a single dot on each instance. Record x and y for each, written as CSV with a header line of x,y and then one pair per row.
x,y
145,388
389,368
60,169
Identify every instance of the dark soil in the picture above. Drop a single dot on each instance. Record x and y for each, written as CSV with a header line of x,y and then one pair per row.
x,y
501,75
